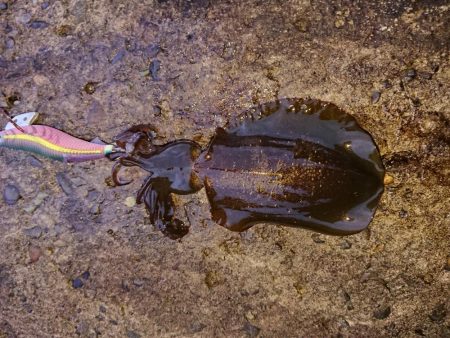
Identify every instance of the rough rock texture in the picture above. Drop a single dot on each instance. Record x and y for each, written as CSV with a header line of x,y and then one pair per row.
x,y
79,259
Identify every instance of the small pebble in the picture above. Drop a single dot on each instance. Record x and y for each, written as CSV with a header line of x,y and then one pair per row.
x,y
154,68
3,6
339,23
64,183
11,194
386,84
64,30
82,329
89,88
102,309
130,201
45,5
447,264
438,315
138,282
34,253
375,97
9,43
419,332
24,18
8,28
382,313
251,330
34,232
34,162
197,327
345,245
388,179
316,238
36,202
428,278
409,75
426,75
302,25
77,283
85,275
131,45
119,56
132,334
153,50
38,24
403,213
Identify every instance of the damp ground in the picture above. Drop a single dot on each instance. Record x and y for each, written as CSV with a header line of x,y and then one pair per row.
x,y
80,258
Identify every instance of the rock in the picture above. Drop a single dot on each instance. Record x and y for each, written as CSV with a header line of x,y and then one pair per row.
x,y
89,88
131,45
34,253
316,238
339,23
251,330
166,111
23,18
138,282
94,195
302,25
386,84
447,264
65,183
45,5
409,75
85,275
153,50
34,232
34,162
3,6
130,201
212,279
9,43
132,334
403,213
38,24
154,68
425,75
388,179
119,56
37,201
82,329
11,194
345,245
439,313
79,10
382,313
197,327
77,283
375,97
64,30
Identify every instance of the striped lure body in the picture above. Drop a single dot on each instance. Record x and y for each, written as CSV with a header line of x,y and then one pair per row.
x,y
53,143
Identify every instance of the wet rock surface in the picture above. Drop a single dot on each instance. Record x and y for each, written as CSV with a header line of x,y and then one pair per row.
x,y
95,68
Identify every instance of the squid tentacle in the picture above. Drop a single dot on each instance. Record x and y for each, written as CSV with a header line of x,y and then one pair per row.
x,y
115,174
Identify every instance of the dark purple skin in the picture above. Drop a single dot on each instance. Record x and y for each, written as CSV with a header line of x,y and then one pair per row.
x,y
301,163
